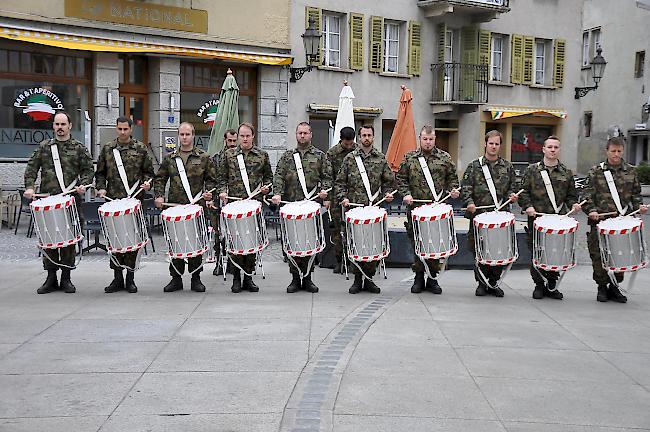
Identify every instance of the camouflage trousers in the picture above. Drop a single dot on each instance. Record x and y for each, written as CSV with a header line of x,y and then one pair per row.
x,y
599,273
302,263
369,268
246,262
435,265
491,273
335,232
214,215
535,272
64,256
126,259
177,266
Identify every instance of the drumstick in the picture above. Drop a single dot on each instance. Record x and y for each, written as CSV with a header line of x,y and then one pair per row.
x,y
170,204
509,200
234,198
316,197
573,210
141,188
480,207
607,214
40,195
634,212
355,205
384,198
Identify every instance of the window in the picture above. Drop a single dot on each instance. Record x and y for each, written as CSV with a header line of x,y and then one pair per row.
x,y
587,119
639,64
332,40
540,61
391,47
496,57
585,49
449,46
527,142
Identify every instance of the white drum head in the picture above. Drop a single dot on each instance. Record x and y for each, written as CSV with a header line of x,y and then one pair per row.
x,y
556,223
432,211
494,218
119,205
627,223
242,207
52,201
299,208
185,211
366,214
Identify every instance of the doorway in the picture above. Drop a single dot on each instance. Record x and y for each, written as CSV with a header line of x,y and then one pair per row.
x,y
133,93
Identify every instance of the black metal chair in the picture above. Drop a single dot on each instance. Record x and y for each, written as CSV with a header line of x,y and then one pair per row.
x,y
272,219
150,212
92,224
24,208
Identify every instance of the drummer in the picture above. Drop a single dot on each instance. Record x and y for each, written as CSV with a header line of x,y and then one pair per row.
x,y
625,197
241,183
73,164
557,197
413,183
350,188
300,177
199,175
477,192
116,180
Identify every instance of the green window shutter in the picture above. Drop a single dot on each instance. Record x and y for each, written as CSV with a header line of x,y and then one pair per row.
x,y
415,48
356,41
440,71
442,32
559,50
468,56
517,59
376,44
317,14
529,59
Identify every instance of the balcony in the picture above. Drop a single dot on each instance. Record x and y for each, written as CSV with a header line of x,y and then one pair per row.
x,y
475,10
459,84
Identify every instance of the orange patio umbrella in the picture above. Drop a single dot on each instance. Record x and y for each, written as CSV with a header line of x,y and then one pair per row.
x,y
403,139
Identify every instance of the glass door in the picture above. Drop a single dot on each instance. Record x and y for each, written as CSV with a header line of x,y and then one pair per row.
x,y
133,93
134,107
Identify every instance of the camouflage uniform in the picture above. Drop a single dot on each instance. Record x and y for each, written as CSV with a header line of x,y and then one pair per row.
x,y
350,185
318,174
535,195
76,163
599,199
137,165
201,175
336,155
214,213
475,191
411,181
229,180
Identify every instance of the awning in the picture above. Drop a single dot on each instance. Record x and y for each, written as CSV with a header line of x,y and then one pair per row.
x,y
504,112
85,43
365,112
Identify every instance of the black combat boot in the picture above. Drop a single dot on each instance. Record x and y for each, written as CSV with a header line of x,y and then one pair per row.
x,y
176,284
371,287
433,286
66,283
614,294
50,283
218,270
357,284
308,285
338,267
602,293
418,283
249,285
117,284
130,282
236,281
196,284
481,290
294,286
552,292
538,292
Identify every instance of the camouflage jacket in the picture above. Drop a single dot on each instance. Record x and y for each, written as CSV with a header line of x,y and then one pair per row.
x,y
336,155
349,183
76,163
317,169
474,189
200,170
218,156
535,194
137,165
229,177
597,193
411,179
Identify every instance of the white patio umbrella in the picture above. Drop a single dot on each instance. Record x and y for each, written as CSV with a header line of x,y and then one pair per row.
x,y
345,114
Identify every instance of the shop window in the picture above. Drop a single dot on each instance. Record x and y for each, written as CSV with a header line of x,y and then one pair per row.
x,y
527,142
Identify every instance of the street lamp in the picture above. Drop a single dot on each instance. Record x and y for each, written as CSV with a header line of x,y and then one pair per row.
x,y
311,41
598,70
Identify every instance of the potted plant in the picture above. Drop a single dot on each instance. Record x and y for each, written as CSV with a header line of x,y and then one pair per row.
x,y
643,172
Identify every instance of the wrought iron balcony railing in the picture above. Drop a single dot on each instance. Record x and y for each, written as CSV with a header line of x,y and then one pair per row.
x,y
459,83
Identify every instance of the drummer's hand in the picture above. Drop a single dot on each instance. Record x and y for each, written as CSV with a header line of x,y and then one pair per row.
x,y
158,202
223,197
389,197
593,215
345,202
276,199
101,193
80,189
576,208
29,193
513,197
530,211
146,186
471,208
455,193
643,208
326,204
265,190
210,204
408,199
322,195
207,196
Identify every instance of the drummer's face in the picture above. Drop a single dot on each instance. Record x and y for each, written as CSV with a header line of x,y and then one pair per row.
x,y
551,149
123,132
245,138
492,146
427,141
186,135
231,140
303,135
614,154
367,137
61,127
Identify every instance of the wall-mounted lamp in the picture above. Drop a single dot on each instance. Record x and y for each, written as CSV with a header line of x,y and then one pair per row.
x,y
172,103
598,69
277,107
109,99
311,40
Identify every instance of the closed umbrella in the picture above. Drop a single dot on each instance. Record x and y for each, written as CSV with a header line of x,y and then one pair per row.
x,y
227,116
345,114
403,139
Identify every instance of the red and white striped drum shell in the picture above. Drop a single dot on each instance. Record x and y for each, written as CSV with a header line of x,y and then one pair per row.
x,y
554,238
433,231
494,237
56,221
243,227
622,246
302,228
123,225
367,233
185,231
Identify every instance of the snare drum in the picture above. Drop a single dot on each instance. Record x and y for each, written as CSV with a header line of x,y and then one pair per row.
x,y
367,233
622,247
494,238
554,242
243,227
56,221
433,231
185,231
302,228
123,225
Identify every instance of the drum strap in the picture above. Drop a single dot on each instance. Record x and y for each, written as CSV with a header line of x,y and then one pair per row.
x,y
183,176
57,166
612,190
549,189
365,180
429,179
488,180
120,169
244,173
301,176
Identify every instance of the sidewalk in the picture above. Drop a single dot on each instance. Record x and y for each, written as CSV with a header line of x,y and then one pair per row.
x,y
326,362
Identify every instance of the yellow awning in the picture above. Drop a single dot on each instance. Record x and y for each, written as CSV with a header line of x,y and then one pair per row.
x,y
504,112
84,43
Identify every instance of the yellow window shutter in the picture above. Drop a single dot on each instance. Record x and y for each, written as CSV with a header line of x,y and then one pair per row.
x,y
485,38
356,41
529,59
517,59
442,33
559,51
317,14
415,48
376,44
468,56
